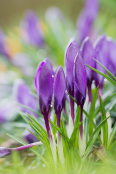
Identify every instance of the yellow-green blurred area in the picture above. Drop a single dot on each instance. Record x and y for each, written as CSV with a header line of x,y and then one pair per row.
x,y
11,11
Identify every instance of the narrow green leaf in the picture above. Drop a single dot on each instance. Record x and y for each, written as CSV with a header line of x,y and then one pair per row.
x,y
112,135
28,108
92,110
107,77
94,136
78,114
38,137
106,69
93,124
76,128
105,126
72,97
37,123
57,128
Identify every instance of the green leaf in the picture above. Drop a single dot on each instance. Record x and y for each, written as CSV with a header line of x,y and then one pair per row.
x,y
38,137
93,124
105,126
94,136
111,138
37,123
72,97
76,128
106,70
78,114
107,77
31,149
28,108
92,110
57,128
105,101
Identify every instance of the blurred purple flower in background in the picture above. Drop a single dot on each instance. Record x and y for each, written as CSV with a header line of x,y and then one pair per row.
x,y
87,18
7,110
32,29
44,89
112,56
87,54
23,96
59,93
102,55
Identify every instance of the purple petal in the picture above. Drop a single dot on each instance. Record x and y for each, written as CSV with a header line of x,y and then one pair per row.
x,y
4,152
86,18
87,53
112,55
59,90
71,52
101,54
33,30
22,95
80,80
92,6
44,85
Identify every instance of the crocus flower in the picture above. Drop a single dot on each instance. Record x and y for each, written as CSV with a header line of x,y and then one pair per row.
x,y
32,29
22,95
59,92
101,54
4,152
112,56
87,53
86,18
80,81
71,52
44,89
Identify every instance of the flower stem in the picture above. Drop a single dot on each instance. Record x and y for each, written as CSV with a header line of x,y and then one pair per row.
x,y
89,92
81,119
72,109
58,124
26,146
47,126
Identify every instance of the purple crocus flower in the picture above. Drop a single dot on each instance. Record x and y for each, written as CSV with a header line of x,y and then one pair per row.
x,y
59,92
71,52
112,56
31,26
4,152
22,95
101,54
87,53
80,82
44,89
86,18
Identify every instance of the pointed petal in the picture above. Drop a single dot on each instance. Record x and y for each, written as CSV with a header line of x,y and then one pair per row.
x,y
59,90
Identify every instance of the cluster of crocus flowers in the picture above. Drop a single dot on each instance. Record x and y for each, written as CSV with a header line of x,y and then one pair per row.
x,y
47,85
